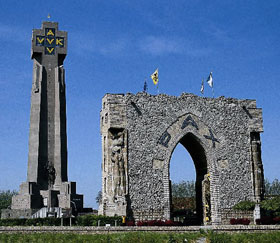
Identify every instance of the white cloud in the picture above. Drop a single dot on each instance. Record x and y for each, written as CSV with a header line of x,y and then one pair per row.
x,y
123,45
160,45
98,45
217,33
116,47
164,46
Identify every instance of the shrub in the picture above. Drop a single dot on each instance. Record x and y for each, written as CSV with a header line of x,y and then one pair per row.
x,y
130,223
245,206
44,222
158,223
12,222
232,221
267,220
170,223
276,220
92,220
243,221
85,220
153,223
33,222
142,223
271,206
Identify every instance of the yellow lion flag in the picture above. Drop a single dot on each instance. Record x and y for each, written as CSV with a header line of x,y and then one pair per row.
x,y
154,77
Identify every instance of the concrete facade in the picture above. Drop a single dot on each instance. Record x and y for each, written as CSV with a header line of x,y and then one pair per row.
x,y
47,184
139,133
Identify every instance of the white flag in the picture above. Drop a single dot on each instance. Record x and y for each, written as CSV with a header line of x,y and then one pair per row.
x,y
210,80
202,87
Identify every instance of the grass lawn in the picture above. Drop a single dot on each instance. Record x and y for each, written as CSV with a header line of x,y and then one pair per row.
x,y
142,237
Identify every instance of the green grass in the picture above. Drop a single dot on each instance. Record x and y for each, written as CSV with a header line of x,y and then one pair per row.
x,y
100,238
140,237
244,237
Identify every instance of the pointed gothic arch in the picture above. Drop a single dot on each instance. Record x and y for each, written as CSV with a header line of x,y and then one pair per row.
x,y
200,145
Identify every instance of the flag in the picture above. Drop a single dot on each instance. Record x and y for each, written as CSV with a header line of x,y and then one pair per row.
x,y
154,77
145,87
210,80
202,87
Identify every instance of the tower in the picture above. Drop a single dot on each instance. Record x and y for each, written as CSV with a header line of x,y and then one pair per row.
x,y
47,183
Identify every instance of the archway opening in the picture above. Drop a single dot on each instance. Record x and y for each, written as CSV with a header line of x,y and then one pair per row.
x,y
188,182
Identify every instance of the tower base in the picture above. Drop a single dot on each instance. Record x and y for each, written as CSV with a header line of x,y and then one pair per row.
x,y
30,199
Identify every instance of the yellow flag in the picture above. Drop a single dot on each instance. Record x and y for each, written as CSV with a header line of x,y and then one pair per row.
x,y
154,77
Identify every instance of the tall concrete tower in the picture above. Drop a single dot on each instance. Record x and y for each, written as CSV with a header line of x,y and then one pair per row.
x,y
47,183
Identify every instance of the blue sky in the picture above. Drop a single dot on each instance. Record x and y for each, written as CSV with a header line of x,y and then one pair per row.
x,y
113,46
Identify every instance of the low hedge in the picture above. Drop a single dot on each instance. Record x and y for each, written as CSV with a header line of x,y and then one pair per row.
x,y
245,206
243,221
158,223
86,220
269,206
35,222
268,220
92,220
13,222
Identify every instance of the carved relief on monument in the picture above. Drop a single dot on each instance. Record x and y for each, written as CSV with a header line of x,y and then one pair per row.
x,y
118,162
37,77
257,166
206,199
61,78
51,174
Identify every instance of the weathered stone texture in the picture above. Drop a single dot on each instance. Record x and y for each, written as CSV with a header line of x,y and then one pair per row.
x,y
216,132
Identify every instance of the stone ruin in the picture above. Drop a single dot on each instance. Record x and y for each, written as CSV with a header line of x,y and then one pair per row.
x,y
139,133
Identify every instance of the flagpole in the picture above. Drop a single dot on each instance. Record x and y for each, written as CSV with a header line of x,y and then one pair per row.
x,y
158,84
157,89
145,86
202,88
213,92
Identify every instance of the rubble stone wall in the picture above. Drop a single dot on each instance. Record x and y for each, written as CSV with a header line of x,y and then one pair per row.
x,y
156,124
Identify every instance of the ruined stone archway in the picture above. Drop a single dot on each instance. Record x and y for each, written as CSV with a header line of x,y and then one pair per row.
x,y
201,142
222,136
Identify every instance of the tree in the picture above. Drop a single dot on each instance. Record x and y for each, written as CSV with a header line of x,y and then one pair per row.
x,y
98,198
183,189
272,188
183,197
6,199
272,206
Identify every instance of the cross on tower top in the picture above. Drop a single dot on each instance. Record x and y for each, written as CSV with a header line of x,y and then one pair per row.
x,y
49,40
